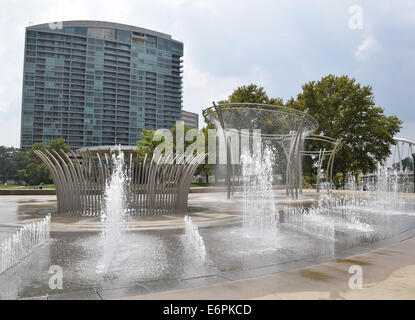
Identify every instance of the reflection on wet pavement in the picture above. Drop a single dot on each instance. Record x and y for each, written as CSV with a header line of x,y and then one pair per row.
x,y
157,260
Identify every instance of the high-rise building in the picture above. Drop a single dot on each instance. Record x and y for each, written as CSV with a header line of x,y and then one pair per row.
x,y
190,119
98,83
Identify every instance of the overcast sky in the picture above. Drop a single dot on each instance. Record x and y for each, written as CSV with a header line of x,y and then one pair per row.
x,y
279,45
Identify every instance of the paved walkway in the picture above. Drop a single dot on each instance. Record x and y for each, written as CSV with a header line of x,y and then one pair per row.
x,y
388,273
206,209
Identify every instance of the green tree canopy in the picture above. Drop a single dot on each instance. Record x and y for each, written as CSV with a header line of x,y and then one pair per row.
x,y
5,163
347,110
59,145
37,171
252,94
11,160
147,144
206,168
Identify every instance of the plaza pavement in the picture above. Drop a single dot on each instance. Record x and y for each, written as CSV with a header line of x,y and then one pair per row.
x,y
388,273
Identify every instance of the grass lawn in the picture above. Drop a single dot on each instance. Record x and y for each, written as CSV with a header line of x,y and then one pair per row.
x,y
195,185
16,186
52,186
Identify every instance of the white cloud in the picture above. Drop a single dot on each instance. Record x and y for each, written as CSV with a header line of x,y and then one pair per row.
x,y
366,49
10,132
202,87
3,106
407,131
402,11
276,44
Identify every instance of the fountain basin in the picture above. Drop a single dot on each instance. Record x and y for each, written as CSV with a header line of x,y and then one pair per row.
x,y
154,257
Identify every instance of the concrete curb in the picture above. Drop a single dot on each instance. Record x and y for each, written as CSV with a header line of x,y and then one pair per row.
x,y
27,192
44,192
225,189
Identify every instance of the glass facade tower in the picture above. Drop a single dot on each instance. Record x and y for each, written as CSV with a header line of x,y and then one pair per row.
x,y
190,119
98,83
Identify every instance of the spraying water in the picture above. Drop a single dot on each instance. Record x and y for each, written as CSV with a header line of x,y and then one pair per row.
x,y
113,214
194,239
259,214
22,243
385,189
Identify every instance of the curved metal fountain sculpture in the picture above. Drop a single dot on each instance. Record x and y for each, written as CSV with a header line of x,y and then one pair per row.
x,y
403,149
333,146
284,126
155,186
396,171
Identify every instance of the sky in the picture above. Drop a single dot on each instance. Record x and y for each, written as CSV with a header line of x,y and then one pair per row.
x,y
279,45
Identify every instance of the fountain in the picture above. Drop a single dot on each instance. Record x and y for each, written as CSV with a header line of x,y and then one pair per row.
x,y
273,129
386,187
259,215
114,213
285,129
194,239
327,215
157,185
257,230
22,243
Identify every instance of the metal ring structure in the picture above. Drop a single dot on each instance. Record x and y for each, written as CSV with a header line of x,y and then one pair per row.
x,y
321,154
275,122
399,153
155,187
401,161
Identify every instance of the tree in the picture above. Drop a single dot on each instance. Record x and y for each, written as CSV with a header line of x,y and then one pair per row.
x,y
59,146
37,171
18,163
22,175
404,164
173,130
26,166
338,180
146,145
5,163
252,94
11,160
347,110
205,168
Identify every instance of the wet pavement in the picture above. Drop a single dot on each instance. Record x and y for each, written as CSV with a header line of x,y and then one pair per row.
x,y
155,257
388,273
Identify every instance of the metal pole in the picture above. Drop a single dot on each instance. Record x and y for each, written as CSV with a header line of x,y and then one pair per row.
x,y
297,148
413,156
228,150
319,163
300,169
